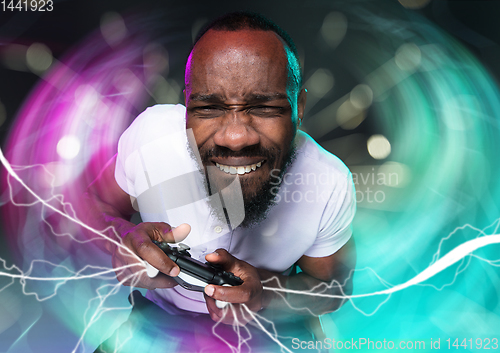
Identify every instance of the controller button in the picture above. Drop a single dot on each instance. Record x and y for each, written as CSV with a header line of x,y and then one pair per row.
x,y
183,247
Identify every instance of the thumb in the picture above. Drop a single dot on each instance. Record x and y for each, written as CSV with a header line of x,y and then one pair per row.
x,y
180,232
221,258
173,235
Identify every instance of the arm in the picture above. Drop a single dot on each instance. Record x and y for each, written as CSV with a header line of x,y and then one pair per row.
x,y
331,275
323,273
107,206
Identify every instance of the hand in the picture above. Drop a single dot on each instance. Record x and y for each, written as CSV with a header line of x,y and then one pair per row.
x,y
139,240
249,293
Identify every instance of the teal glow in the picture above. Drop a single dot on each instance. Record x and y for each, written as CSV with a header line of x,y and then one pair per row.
x,y
438,107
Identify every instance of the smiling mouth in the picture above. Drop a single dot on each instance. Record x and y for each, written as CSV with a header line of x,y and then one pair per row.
x,y
242,169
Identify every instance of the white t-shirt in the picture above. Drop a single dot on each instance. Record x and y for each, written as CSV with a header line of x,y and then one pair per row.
x,y
159,167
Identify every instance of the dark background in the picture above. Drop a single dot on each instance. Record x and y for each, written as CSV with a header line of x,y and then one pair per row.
x,y
474,23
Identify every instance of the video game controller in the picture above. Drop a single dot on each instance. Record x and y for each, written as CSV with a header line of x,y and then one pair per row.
x,y
194,275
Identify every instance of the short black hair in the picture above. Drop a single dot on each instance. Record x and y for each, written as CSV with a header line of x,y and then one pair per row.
x,y
240,20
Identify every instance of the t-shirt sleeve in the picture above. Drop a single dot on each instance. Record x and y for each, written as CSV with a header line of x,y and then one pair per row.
x,y
127,156
120,174
336,222
142,141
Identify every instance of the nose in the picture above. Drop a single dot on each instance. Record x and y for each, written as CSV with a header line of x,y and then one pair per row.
x,y
236,132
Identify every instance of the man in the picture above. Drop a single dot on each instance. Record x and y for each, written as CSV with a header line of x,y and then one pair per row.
x,y
244,103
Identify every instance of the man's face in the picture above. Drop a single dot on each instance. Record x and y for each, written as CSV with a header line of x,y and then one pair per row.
x,y
239,107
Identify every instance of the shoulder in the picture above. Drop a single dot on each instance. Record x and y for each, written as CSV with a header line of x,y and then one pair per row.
x,y
312,158
153,123
158,116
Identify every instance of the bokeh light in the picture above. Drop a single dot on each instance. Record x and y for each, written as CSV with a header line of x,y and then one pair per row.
x,y
378,146
334,28
349,115
113,28
68,147
320,83
361,96
38,57
408,57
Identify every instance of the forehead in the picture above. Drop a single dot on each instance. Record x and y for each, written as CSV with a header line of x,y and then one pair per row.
x,y
241,59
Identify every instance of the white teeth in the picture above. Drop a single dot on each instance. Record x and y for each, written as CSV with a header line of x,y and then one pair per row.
x,y
239,169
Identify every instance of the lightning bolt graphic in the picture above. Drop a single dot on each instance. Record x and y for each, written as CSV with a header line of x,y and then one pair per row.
x,y
456,254
101,272
446,261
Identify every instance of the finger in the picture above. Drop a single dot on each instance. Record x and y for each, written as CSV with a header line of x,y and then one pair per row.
x,y
139,280
224,315
227,315
213,310
160,281
151,253
221,258
236,294
180,232
161,231
142,280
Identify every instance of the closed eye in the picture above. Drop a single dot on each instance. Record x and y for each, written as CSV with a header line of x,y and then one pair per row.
x,y
208,111
266,111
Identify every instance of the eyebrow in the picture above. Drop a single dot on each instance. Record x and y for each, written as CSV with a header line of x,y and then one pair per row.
x,y
206,97
257,98
252,98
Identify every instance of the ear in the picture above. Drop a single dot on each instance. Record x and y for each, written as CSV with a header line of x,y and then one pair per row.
x,y
184,93
301,104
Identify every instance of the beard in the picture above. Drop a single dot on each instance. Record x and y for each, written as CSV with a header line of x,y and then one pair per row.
x,y
258,193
